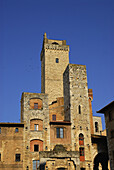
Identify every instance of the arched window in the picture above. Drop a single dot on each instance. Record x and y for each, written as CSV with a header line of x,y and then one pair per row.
x,y
82,156
96,127
81,139
36,145
36,124
79,109
36,104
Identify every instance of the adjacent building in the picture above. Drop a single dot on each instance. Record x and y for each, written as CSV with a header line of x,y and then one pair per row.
x,y
108,111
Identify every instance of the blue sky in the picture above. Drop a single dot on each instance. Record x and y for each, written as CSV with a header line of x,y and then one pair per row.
x,y
88,27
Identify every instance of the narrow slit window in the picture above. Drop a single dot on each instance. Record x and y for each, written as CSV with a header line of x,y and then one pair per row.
x,y
96,127
0,130
79,108
57,60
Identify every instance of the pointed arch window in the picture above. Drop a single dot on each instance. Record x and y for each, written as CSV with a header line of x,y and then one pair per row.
x,y
81,139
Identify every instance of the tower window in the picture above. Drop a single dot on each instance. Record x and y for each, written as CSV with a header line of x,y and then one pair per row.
x,y
82,158
17,157
16,130
35,105
36,127
59,132
79,109
96,127
53,117
36,148
0,156
81,139
0,130
57,60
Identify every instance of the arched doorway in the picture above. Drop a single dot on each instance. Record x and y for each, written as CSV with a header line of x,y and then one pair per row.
x,y
101,158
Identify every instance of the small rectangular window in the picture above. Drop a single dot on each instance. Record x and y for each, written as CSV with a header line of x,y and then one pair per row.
x,y
57,60
35,105
53,117
36,127
59,132
17,157
36,148
0,156
16,130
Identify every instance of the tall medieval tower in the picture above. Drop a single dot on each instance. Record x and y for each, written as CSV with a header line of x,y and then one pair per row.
x,y
54,60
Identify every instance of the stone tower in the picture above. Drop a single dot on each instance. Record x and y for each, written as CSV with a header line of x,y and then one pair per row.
x,y
77,111
54,60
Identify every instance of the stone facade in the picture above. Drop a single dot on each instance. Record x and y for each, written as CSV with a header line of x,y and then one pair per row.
x,y
54,59
77,109
11,143
57,129
31,116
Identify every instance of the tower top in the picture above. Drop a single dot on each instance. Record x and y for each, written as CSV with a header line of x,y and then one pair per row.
x,y
45,36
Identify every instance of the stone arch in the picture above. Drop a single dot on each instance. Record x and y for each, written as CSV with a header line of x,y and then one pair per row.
x,y
101,158
36,142
38,122
36,103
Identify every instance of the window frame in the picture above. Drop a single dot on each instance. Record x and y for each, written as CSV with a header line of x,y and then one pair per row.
x,y
57,60
79,109
16,130
96,127
17,157
81,139
35,164
36,127
54,117
36,106
82,154
36,150
60,132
